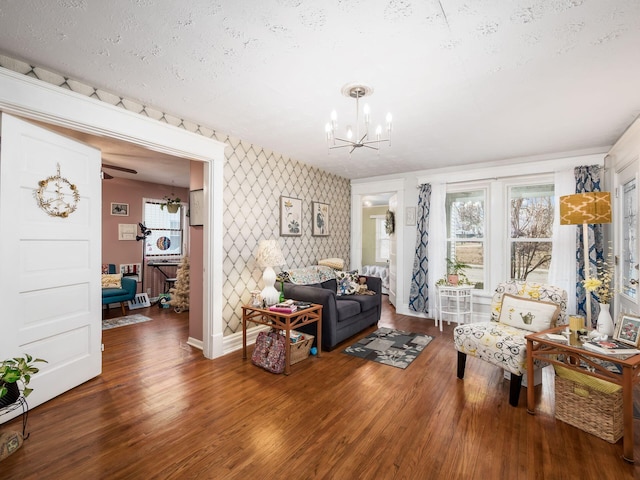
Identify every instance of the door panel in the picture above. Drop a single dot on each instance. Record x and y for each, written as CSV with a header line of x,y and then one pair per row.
x,y
626,224
52,294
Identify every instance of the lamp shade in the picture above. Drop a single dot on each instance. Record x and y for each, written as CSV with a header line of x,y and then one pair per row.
x,y
269,254
589,207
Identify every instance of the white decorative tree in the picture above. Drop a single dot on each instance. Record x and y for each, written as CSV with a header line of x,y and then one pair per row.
x,y
180,292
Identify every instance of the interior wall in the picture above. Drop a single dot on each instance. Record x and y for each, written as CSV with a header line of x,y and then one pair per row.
x,y
369,234
131,192
196,261
255,178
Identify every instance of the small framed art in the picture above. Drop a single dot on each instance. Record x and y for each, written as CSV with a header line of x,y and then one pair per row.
x,y
196,203
628,330
320,219
290,217
120,209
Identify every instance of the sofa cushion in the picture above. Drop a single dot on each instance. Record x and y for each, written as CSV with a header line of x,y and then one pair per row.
x,y
528,314
347,308
111,280
367,302
330,284
113,292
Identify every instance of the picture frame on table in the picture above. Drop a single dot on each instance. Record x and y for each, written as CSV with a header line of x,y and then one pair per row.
x,y
628,330
290,217
120,209
320,219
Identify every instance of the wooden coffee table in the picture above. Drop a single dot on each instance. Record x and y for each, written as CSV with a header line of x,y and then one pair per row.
x,y
542,348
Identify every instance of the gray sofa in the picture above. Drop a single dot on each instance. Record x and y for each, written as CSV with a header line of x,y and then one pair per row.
x,y
342,316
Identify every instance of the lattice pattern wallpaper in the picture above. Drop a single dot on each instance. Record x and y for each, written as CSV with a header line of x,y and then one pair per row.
x,y
253,176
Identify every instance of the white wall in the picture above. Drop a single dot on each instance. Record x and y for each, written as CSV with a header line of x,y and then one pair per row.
x,y
407,184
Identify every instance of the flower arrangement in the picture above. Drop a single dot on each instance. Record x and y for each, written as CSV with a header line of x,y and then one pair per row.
x,y
602,284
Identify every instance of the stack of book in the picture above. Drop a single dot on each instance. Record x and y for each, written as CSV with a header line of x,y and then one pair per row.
x,y
610,347
284,307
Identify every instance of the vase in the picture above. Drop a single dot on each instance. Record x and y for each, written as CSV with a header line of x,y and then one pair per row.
x,y
13,393
605,322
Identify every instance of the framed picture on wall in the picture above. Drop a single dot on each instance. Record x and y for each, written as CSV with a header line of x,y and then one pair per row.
x,y
120,209
290,217
320,218
196,214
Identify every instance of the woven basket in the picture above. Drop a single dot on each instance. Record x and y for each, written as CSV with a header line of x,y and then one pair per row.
x,y
590,404
300,350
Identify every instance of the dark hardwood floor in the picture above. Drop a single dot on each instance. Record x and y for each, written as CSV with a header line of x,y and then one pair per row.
x,y
161,410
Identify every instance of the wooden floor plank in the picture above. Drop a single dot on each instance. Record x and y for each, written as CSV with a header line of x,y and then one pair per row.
x,y
161,410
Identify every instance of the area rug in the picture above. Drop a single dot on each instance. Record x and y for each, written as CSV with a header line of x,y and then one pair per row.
x,y
122,321
390,347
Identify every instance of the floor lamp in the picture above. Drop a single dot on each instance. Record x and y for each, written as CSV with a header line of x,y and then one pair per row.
x,y
586,209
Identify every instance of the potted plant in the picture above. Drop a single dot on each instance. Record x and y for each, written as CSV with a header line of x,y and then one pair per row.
x,y
455,270
12,371
172,204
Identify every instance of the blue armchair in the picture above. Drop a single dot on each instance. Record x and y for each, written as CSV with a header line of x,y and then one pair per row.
x,y
121,295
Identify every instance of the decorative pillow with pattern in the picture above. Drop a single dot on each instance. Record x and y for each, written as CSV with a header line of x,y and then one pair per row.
x,y
347,282
112,280
528,314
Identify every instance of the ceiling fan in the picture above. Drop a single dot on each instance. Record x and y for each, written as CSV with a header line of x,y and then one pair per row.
x,y
115,167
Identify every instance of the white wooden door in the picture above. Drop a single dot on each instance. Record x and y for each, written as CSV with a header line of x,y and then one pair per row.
x,y
628,243
50,280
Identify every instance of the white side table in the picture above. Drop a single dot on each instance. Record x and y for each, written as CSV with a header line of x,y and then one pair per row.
x,y
454,302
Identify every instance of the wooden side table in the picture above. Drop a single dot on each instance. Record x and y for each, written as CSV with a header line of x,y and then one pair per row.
x,y
282,321
541,347
456,301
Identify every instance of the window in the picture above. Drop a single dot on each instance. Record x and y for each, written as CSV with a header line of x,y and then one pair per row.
x,y
466,232
531,226
382,239
166,230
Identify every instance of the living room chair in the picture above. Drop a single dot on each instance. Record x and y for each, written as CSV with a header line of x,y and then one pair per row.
x,y
126,291
517,309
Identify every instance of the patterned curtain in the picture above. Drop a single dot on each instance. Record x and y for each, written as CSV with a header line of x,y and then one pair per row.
x,y
419,293
588,180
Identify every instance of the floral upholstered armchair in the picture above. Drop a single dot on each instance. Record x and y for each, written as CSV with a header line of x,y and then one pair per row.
x,y
517,309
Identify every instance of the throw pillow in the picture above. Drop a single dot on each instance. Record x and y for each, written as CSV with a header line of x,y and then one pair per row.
x,y
347,282
335,263
112,280
528,314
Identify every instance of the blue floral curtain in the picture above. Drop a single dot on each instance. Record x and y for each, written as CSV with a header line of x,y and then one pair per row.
x,y
419,293
588,180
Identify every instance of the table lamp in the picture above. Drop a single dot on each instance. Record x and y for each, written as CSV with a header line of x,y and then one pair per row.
x,y
586,209
268,256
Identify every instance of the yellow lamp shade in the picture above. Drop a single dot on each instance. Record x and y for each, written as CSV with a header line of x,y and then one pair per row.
x,y
590,207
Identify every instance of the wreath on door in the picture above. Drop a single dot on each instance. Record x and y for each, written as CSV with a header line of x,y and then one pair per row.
x,y
389,223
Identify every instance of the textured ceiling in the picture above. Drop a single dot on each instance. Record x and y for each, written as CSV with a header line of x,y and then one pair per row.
x,y
466,80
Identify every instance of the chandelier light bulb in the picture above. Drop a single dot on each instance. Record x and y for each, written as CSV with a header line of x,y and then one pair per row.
x,y
349,132
378,131
367,112
389,119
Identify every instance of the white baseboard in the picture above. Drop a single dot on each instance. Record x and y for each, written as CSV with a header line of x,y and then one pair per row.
x,y
233,342
195,343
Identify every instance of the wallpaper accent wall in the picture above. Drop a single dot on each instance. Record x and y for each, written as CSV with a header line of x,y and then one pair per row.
x,y
253,177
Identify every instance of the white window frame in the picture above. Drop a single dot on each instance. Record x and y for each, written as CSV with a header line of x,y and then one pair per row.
x,y
508,185
381,236
183,229
469,187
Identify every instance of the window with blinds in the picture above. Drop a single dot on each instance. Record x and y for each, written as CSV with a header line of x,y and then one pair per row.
x,y
166,230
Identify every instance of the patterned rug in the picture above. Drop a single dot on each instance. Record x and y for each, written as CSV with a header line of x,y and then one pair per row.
x,y
122,321
390,347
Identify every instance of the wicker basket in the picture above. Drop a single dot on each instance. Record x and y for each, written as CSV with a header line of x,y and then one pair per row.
x,y
300,350
590,404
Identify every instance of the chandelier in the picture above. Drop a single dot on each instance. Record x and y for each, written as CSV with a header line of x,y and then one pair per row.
x,y
354,140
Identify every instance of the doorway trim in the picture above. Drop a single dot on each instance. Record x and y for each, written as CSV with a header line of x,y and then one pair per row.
x,y
358,190
37,100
